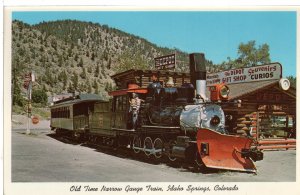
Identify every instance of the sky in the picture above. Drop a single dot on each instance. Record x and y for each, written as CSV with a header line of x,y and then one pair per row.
x,y
215,33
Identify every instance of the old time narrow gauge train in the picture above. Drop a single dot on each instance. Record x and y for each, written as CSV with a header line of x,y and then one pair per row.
x,y
161,121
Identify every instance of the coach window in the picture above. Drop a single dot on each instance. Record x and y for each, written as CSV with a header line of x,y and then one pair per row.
x,y
65,113
58,112
68,112
61,112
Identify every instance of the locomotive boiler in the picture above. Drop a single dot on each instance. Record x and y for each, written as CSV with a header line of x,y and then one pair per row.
x,y
179,122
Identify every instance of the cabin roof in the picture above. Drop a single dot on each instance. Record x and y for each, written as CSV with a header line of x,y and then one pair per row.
x,y
136,72
239,90
143,77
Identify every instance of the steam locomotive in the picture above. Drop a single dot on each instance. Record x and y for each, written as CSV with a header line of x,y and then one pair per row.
x,y
180,122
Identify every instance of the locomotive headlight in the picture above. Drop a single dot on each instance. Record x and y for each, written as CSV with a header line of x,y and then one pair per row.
x,y
224,91
215,120
219,92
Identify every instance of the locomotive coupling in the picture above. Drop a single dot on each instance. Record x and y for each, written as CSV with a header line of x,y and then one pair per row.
x,y
252,153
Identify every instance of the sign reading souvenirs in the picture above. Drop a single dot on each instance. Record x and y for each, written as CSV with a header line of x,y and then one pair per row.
x,y
249,74
165,62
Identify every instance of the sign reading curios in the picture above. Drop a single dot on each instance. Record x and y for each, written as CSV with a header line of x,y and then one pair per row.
x,y
249,74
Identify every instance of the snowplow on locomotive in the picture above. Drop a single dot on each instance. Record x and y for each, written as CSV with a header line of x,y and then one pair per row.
x,y
178,122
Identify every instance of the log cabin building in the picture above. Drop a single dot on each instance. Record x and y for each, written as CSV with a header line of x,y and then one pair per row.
x,y
266,109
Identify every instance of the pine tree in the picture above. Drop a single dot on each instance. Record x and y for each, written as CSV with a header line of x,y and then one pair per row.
x,y
75,80
97,71
17,98
90,70
80,64
65,82
89,87
60,61
93,56
96,86
70,53
83,73
54,44
76,57
71,88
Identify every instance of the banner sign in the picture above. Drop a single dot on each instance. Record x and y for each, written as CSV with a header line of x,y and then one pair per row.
x,y
249,74
27,79
165,62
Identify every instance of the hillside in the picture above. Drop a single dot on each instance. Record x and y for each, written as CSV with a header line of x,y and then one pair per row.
x,y
71,55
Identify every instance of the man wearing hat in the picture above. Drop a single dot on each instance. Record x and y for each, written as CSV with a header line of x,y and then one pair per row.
x,y
135,103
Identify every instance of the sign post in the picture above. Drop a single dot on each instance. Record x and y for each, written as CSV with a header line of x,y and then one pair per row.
x,y
29,79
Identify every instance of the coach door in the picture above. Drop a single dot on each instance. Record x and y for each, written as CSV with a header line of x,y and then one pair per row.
x,y
80,118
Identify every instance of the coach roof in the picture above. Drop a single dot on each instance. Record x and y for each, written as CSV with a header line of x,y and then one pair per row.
x,y
79,99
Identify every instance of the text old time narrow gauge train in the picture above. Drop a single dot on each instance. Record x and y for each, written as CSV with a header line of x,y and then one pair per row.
x,y
159,120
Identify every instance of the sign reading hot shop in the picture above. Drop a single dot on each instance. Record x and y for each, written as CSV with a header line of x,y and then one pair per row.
x,y
256,73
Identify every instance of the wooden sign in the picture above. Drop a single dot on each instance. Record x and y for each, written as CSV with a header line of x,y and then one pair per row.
x,y
165,62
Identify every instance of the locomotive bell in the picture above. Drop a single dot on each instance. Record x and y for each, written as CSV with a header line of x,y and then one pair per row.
x,y
198,74
170,82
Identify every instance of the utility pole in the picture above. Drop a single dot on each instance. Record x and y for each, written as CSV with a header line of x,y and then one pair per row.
x,y
31,79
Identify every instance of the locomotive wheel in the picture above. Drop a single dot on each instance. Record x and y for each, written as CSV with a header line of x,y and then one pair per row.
x,y
158,145
136,143
58,132
148,145
171,144
76,136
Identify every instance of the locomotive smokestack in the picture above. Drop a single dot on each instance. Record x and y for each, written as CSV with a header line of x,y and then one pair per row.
x,y
198,74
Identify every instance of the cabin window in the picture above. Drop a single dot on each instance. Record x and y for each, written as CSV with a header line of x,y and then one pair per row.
x,y
124,102
120,103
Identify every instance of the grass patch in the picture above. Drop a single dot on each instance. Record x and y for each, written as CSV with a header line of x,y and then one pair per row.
x,y
42,112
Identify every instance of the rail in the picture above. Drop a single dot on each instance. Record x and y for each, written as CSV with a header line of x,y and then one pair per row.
x,y
275,144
